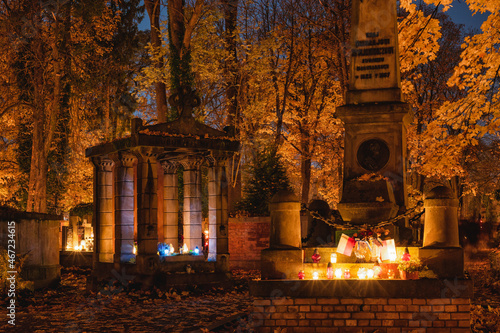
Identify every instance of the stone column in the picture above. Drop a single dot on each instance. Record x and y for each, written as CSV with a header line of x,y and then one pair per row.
x,y
441,250
284,257
147,206
441,218
170,204
192,217
218,247
104,219
124,206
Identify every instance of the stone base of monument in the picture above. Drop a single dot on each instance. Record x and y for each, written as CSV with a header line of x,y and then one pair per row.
x,y
281,263
367,201
351,305
445,262
367,212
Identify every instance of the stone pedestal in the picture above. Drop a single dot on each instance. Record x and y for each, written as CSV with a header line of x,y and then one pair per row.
x,y
447,263
284,258
367,202
285,220
441,218
441,250
375,143
281,263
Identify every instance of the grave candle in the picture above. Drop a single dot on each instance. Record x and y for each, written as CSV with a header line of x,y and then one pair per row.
x,y
316,257
329,271
315,276
362,273
338,273
333,258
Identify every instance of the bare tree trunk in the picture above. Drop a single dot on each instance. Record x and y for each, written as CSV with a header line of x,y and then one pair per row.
x,y
305,168
153,9
232,79
230,17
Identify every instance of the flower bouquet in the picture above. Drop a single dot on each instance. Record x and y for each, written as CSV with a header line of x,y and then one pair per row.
x,y
408,270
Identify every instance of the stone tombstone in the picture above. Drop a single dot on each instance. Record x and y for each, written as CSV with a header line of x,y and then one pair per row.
x,y
375,74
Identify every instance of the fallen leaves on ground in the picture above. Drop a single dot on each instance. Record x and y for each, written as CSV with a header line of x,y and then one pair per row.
x,y
71,308
485,307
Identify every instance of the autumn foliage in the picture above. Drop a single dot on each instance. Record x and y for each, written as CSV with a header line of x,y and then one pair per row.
x,y
73,74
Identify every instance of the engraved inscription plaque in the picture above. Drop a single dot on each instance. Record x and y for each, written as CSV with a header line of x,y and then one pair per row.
x,y
374,55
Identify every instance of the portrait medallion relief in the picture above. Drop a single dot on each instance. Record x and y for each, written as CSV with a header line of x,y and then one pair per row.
x,y
373,154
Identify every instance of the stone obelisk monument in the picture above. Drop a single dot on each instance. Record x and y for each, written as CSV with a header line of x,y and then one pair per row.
x,y
374,116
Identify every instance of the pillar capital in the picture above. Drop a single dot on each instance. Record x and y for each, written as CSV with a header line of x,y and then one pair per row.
x,y
192,162
169,166
218,159
147,152
103,163
125,159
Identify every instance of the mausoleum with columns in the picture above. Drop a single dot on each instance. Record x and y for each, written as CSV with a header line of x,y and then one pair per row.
x,y
136,196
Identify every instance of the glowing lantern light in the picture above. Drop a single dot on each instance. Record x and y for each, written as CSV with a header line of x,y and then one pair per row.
x,y
329,271
134,250
362,273
185,248
196,251
347,274
388,251
171,247
302,275
406,256
338,273
315,276
333,258
316,257
370,273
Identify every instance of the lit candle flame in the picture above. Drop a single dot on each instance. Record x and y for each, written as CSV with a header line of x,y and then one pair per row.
x,y
333,258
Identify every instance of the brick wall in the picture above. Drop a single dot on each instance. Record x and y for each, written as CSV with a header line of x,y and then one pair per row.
x,y
389,315
247,237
